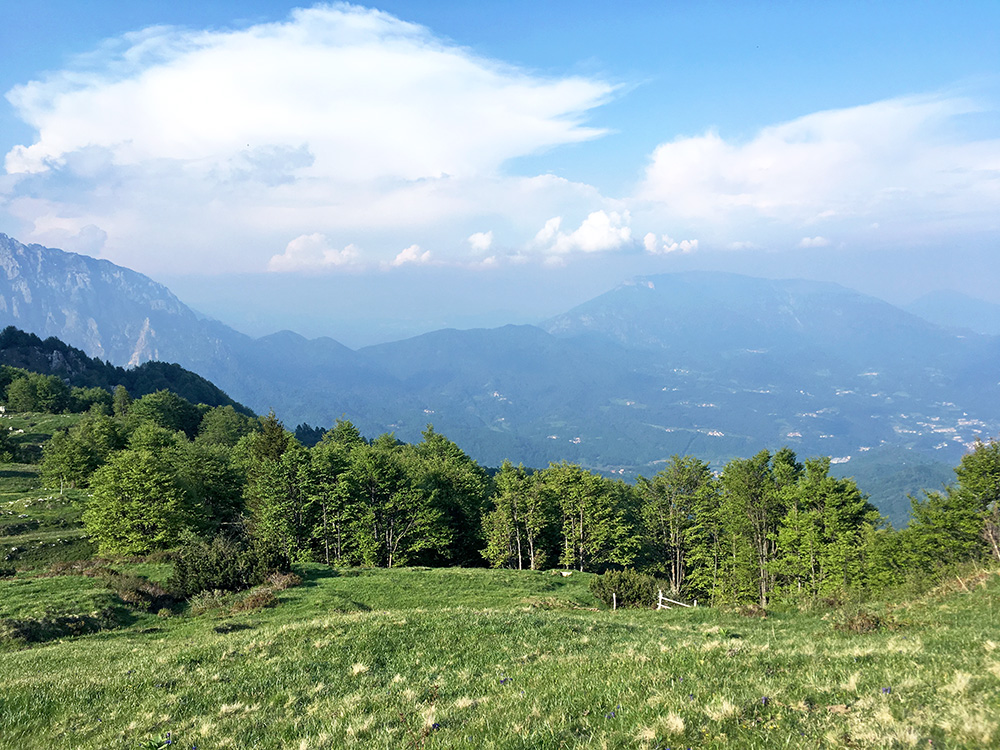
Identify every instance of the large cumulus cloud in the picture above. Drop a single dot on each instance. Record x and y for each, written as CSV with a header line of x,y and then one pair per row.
x,y
339,121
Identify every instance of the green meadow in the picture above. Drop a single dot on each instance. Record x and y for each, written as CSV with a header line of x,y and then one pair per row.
x,y
95,654
460,658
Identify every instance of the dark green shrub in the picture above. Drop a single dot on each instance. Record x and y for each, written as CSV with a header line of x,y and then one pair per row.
x,y
631,589
222,564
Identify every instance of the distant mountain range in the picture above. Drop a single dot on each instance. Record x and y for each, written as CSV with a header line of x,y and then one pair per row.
x,y
716,365
955,310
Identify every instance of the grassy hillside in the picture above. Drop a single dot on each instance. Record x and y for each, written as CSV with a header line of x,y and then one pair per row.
x,y
475,658
94,655
38,526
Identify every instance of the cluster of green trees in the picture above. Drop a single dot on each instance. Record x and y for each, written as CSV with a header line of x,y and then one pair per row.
x,y
32,391
159,467
764,528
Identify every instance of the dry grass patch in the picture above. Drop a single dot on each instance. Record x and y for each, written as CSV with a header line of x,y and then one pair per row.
x,y
721,709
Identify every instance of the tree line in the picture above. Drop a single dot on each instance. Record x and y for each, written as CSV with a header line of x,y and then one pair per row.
x,y
765,528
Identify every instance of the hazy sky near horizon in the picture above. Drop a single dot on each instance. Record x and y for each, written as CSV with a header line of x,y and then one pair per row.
x,y
368,172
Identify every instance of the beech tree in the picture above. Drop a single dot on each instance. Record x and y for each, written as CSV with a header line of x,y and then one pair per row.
x,y
822,538
979,481
397,518
460,489
32,391
138,505
223,425
277,507
945,528
671,501
751,513
332,498
70,457
595,516
522,527
121,401
209,475
168,410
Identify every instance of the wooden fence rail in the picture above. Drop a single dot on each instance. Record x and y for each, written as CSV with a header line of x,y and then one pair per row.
x,y
661,605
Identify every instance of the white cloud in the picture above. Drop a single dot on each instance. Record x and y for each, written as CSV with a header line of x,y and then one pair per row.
x,y
601,231
549,232
190,150
412,254
371,96
667,245
339,120
481,241
903,162
814,242
310,252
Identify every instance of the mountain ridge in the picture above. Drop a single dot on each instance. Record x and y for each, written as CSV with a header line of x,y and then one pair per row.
x,y
713,364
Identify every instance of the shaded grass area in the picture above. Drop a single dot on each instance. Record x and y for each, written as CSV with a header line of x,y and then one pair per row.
x,y
38,609
350,590
31,597
502,659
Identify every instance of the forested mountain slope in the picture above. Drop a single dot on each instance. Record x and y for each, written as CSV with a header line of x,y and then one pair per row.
x,y
53,357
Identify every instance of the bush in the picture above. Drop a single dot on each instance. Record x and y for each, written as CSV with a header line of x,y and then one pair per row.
x,y
256,599
222,564
864,621
631,589
210,601
136,591
234,602
752,610
51,626
282,581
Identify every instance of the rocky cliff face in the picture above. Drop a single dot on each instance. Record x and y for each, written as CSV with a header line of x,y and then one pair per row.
x,y
108,311
123,317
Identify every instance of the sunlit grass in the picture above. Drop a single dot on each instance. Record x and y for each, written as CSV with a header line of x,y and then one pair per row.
x,y
469,658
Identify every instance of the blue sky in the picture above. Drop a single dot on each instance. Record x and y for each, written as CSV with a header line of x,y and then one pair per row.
x,y
368,172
